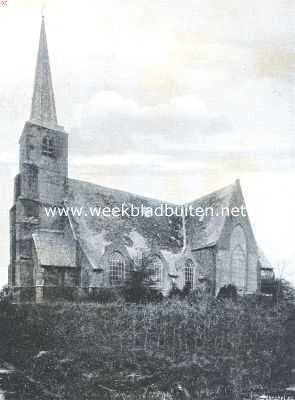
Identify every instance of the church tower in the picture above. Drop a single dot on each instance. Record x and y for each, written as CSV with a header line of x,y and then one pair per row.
x,y
42,178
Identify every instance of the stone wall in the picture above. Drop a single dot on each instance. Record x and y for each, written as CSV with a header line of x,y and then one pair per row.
x,y
237,231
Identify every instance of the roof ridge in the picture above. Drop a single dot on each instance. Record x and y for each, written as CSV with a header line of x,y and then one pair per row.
x,y
206,196
124,192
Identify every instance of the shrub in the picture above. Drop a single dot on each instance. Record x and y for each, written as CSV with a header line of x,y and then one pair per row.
x,y
175,292
104,295
139,289
186,289
213,348
228,292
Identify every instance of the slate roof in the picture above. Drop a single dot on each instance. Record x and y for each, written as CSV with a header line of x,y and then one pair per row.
x,y
141,233
54,249
43,109
205,231
138,234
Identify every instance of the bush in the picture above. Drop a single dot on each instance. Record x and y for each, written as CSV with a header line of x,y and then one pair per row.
x,y
186,289
175,292
228,292
214,349
104,295
139,289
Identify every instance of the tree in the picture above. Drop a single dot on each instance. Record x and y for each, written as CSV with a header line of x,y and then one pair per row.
x,y
283,292
175,292
228,292
139,287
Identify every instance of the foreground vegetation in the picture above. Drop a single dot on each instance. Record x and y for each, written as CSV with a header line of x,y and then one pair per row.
x,y
215,348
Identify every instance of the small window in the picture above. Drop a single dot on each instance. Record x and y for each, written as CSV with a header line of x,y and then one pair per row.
x,y
116,268
48,147
32,179
189,274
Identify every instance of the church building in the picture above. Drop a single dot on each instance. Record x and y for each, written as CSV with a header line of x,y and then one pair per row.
x,y
66,256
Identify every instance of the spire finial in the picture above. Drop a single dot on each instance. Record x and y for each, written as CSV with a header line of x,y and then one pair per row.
x,y
43,110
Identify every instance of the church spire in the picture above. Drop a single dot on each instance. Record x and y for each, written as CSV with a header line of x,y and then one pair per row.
x,y
43,110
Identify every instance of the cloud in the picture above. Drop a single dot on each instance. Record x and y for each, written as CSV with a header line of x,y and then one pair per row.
x,y
273,61
113,123
117,161
234,131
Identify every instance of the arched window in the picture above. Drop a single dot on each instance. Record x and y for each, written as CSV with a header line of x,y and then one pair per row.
x,y
238,267
189,274
238,259
155,268
116,268
48,147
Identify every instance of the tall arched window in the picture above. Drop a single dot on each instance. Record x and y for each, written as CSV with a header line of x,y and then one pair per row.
x,y
155,267
189,273
116,268
48,147
238,258
238,267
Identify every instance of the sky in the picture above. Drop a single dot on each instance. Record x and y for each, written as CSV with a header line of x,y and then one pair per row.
x,y
170,99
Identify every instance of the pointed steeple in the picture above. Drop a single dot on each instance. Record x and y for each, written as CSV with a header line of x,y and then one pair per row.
x,y
43,110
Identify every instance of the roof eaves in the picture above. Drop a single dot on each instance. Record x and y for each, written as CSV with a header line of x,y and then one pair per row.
x,y
208,245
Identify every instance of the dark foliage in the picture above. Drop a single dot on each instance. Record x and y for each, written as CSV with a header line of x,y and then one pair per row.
x,y
228,292
283,292
186,289
139,287
103,295
175,292
199,346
